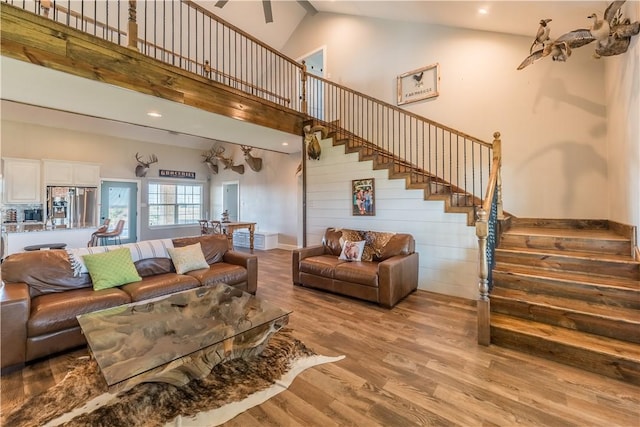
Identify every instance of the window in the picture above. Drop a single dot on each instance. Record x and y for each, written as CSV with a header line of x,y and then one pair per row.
x,y
174,204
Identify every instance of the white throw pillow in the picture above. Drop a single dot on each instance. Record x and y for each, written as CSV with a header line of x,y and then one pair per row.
x,y
188,258
352,251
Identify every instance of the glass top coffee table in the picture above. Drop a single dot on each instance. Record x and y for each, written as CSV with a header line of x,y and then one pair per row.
x,y
180,336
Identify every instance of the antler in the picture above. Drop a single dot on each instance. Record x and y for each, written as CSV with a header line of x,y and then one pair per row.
x,y
152,159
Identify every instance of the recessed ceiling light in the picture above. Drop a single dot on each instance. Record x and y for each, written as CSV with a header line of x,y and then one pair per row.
x,y
483,11
285,143
154,114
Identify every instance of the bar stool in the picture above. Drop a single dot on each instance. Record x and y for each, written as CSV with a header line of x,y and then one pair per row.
x,y
115,233
94,236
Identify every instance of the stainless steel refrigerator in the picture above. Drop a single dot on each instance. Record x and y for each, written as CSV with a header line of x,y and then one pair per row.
x,y
72,207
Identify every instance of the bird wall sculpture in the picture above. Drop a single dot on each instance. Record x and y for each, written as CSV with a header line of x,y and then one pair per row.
x,y
542,35
612,35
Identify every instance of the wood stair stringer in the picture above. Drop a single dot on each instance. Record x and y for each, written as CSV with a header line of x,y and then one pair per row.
x,y
400,169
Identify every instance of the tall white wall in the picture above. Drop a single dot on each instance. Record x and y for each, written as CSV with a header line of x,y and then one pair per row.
x,y
448,247
551,115
623,124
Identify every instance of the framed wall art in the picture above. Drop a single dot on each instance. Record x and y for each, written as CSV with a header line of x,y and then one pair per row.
x,y
419,84
363,197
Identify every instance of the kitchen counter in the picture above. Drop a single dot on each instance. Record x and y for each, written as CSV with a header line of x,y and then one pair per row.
x,y
27,227
17,240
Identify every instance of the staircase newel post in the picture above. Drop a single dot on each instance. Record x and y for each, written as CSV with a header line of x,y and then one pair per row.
x,y
133,26
304,87
497,157
482,231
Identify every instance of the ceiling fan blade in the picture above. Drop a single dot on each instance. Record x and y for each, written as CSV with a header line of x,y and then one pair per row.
x,y
307,6
268,15
221,3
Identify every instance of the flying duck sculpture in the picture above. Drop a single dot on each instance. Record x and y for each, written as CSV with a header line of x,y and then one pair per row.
x,y
542,35
612,34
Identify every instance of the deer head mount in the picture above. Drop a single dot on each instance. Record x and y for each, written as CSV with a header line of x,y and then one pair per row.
x,y
311,140
216,152
210,160
255,163
143,167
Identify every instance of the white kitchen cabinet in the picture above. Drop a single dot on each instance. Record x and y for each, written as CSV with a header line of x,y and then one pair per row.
x,y
70,173
21,180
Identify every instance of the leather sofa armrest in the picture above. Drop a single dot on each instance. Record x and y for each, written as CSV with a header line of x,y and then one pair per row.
x,y
397,278
15,306
248,261
298,255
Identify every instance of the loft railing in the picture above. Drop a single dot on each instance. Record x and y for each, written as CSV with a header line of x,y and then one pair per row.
x,y
185,35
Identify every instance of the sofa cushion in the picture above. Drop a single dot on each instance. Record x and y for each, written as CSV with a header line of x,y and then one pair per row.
x,y
53,272
399,244
57,311
213,246
363,273
152,266
111,269
322,265
158,285
352,251
376,242
220,272
188,258
331,241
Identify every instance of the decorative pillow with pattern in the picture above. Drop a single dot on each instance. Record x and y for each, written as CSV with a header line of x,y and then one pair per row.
x,y
352,251
376,241
188,258
111,269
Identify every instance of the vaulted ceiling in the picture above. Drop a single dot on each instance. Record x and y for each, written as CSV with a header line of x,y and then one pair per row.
x,y
514,17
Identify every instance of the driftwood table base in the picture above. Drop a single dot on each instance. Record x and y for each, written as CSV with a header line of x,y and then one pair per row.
x,y
180,337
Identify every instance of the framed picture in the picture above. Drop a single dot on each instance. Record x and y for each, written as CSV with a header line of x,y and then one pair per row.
x,y
419,84
363,196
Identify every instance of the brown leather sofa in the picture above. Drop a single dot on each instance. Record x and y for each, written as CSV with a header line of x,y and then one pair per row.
x,y
389,274
41,296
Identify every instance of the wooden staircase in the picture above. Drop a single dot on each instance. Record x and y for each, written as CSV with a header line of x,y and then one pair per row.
x,y
569,291
455,199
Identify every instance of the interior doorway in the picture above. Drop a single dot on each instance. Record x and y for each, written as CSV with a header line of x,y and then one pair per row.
x,y
231,200
119,200
315,62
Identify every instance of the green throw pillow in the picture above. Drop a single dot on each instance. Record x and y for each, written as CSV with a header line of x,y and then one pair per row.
x,y
110,269
188,258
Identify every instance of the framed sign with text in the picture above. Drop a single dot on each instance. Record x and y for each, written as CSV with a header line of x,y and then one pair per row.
x,y
419,84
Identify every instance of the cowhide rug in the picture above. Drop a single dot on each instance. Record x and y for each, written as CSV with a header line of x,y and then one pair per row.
x,y
82,399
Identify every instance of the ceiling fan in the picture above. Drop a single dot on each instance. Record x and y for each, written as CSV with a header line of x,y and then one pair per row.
x,y
266,6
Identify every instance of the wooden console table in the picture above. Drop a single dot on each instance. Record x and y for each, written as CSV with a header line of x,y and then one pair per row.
x,y
230,227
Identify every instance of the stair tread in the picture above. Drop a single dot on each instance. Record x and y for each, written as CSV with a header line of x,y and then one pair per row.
x,y
568,276
567,232
574,305
595,256
570,337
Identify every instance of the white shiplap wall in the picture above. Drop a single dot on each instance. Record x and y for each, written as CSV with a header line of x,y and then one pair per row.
x,y
447,246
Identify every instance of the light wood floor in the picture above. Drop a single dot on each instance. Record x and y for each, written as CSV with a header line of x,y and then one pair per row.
x,y
417,364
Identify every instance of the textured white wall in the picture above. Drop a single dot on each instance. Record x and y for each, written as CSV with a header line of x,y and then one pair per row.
x,y
448,247
623,124
552,115
268,197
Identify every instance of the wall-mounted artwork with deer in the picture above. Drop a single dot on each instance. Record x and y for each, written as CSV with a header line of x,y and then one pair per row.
x,y
216,154
255,163
143,167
